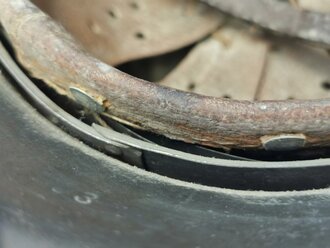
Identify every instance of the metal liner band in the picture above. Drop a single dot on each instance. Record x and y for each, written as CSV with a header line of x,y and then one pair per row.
x,y
49,53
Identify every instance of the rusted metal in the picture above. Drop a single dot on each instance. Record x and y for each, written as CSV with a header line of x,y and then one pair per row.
x,y
281,17
49,53
102,25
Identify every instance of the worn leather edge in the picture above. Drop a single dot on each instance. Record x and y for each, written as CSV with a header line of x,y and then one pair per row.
x,y
49,53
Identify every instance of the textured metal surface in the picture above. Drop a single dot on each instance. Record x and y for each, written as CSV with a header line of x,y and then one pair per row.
x,y
213,169
57,192
117,31
86,133
55,57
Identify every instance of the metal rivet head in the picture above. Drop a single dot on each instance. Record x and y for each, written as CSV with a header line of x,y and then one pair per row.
x,y
283,142
86,100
